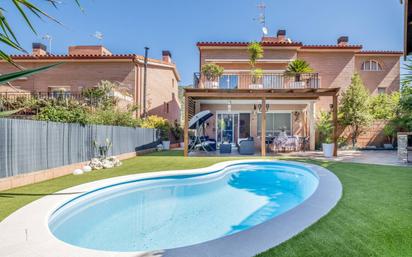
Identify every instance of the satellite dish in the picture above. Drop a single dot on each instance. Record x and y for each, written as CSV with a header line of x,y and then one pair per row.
x,y
289,40
265,31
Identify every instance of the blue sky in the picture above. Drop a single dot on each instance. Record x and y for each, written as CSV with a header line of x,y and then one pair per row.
x,y
129,25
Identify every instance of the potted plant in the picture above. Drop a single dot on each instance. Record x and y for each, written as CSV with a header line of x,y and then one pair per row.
x,y
255,51
295,69
257,74
325,129
212,72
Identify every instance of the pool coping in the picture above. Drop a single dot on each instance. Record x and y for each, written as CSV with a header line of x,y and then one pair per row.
x,y
26,232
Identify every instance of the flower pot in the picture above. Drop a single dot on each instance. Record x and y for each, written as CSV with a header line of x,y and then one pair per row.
x,y
328,150
255,86
166,145
211,84
182,144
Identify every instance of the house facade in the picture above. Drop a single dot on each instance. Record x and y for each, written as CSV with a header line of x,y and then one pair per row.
x,y
291,103
85,66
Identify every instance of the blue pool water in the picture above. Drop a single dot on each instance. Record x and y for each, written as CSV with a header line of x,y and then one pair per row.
x,y
175,211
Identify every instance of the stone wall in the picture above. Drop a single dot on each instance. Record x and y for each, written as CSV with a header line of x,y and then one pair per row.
x,y
402,146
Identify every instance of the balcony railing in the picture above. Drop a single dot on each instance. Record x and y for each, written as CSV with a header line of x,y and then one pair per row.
x,y
267,81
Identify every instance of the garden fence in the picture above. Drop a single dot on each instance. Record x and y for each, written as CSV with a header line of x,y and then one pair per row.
x,y
27,145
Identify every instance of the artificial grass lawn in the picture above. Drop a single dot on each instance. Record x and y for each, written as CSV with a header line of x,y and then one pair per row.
x,y
373,218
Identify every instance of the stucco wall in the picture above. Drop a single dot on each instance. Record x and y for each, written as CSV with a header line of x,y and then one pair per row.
x,y
162,93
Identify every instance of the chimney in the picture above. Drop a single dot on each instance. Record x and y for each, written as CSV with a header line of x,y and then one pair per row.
x,y
281,35
343,41
89,50
166,56
39,49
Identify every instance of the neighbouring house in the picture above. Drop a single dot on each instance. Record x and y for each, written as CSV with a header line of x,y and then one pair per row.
x,y
86,66
245,106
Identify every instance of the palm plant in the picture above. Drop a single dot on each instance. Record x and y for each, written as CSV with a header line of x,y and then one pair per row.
x,y
297,67
24,73
407,78
255,51
7,35
4,114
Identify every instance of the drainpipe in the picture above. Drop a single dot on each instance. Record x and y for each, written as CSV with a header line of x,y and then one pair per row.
x,y
146,50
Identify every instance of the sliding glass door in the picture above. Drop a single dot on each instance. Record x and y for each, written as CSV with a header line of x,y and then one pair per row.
x,y
275,123
230,127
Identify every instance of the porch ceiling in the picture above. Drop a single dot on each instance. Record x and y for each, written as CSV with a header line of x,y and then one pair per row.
x,y
297,94
253,101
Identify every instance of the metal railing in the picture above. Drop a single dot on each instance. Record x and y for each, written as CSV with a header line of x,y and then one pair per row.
x,y
266,81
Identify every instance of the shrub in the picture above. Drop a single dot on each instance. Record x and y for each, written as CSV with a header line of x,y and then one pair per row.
x,y
159,123
390,133
112,117
72,114
100,96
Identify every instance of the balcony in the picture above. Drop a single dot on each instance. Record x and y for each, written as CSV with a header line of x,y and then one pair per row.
x,y
267,81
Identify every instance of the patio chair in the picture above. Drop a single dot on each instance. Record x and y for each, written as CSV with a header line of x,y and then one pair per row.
x,y
246,147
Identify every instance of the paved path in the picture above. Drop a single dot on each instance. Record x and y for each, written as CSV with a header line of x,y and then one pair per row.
x,y
385,157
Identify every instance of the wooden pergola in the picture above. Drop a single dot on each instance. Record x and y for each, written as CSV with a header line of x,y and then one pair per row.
x,y
193,94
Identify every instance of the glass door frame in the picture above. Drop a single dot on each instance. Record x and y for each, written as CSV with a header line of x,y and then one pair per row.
x,y
235,141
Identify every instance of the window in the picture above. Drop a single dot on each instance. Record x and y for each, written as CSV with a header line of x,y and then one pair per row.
x,y
371,65
228,81
167,107
59,92
381,90
275,123
173,83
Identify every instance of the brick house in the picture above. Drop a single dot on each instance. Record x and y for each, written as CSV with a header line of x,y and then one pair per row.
x,y
86,66
292,103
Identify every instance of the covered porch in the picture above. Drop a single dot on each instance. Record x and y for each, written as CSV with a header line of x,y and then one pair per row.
x,y
259,115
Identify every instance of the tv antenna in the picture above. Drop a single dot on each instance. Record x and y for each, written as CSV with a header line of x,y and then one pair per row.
x,y
48,38
262,17
98,35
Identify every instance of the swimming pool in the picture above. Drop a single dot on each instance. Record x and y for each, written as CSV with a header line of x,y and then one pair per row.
x,y
174,211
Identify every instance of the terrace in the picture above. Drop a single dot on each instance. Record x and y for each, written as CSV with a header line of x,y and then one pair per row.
x,y
244,80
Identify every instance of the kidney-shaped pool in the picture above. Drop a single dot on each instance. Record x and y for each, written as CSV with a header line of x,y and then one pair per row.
x,y
174,211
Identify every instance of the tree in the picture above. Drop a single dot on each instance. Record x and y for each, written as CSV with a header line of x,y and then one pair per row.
x,y
385,106
255,51
355,108
403,119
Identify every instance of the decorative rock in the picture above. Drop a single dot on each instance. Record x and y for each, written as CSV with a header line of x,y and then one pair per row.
x,y
107,164
96,164
77,172
87,168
